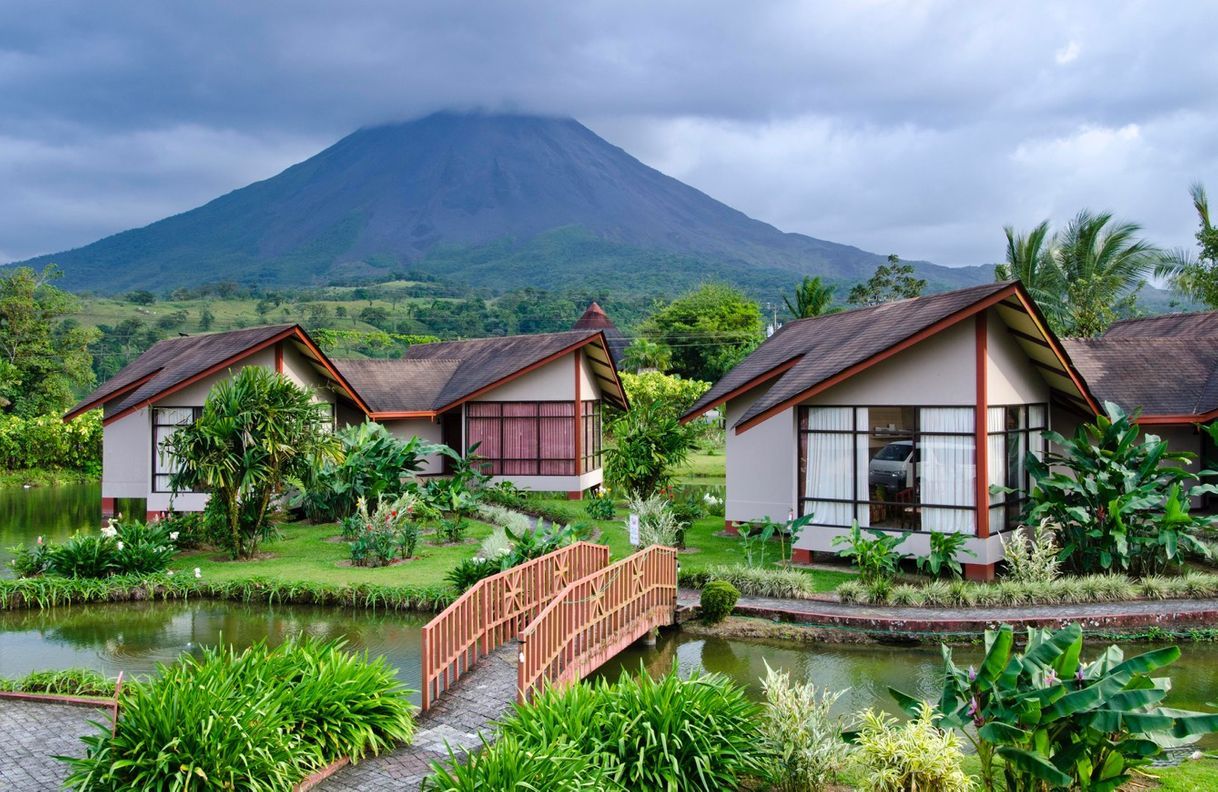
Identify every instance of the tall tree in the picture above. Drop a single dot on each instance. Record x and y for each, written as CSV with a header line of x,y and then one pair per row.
x,y
1032,259
709,330
1196,278
892,281
1104,264
643,354
813,297
44,355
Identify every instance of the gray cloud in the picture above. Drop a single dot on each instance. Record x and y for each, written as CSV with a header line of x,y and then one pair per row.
x,y
915,127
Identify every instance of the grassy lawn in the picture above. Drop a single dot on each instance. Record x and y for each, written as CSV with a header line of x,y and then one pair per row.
x,y
304,554
707,545
704,467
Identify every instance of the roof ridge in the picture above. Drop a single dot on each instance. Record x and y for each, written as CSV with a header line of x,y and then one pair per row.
x,y
902,301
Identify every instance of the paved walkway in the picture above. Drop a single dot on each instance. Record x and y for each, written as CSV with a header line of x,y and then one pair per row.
x,y
482,696
31,733
1115,615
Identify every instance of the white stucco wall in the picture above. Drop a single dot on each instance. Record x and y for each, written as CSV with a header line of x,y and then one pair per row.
x,y
127,456
300,370
554,381
426,429
761,463
1010,378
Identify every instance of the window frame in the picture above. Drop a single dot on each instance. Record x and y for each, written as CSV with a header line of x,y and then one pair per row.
x,y
586,419
196,412
1014,507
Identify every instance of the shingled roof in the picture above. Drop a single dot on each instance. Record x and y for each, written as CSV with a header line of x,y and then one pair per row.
x,y
595,318
1178,325
1129,371
176,362
807,353
431,378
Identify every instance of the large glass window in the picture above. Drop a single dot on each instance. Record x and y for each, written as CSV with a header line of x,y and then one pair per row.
x,y
900,468
532,438
166,421
1012,432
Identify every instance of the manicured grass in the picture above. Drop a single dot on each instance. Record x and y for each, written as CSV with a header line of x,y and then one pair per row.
x,y
303,554
704,467
705,540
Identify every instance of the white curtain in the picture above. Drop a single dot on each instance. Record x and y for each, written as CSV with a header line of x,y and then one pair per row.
x,y
949,476
830,465
996,425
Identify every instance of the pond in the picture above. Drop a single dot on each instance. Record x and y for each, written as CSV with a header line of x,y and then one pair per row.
x,y
51,512
134,637
866,671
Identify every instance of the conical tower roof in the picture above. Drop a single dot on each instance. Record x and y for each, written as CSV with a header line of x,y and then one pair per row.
x,y
595,318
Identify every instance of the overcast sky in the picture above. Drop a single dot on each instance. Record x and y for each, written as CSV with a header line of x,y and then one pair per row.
x,y
912,127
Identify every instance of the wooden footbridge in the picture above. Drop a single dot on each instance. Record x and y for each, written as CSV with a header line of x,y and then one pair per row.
x,y
570,611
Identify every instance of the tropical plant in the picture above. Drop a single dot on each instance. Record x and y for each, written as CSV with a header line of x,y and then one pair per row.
x,y
29,562
891,281
383,533
143,548
83,556
260,719
757,539
1031,259
1046,719
657,522
644,354
1196,278
813,297
66,682
507,764
468,571
909,757
1031,553
1104,264
667,733
877,559
257,430
373,464
648,442
1119,499
600,506
945,552
803,738
505,493
717,601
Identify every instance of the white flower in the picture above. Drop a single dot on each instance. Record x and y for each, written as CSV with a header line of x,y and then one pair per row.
x,y
1196,755
198,572
120,545
109,531
170,573
173,536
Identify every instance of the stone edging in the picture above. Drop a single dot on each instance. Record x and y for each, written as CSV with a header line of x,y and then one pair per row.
x,y
316,778
51,698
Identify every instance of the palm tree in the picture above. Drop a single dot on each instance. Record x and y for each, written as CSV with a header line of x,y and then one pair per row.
x,y
1032,259
1195,277
1103,265
643,354
812,298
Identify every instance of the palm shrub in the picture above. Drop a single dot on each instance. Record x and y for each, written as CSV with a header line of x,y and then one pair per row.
x,y
257,431
507,764
1046,719
648,442
717,600
1120,500
803,739
877,559
908,757
669,733
260,719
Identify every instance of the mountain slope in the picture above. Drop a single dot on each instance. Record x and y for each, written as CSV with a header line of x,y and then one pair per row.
x,y
462,195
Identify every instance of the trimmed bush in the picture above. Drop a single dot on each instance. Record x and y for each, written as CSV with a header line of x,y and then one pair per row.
x,y
259,720
696,734
718,599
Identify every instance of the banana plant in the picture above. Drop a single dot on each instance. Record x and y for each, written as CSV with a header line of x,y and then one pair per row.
x,y
1045,719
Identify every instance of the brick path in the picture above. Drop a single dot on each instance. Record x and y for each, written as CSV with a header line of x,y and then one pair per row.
x,y
31,733
1112,615
482,696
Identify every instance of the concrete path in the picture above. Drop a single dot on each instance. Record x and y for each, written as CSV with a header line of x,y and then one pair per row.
x,y
1110,615
482,696
31,733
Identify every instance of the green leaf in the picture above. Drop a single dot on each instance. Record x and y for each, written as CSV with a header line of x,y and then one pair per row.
x,y
1033,764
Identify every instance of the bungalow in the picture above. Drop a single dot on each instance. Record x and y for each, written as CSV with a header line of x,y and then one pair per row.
x,y
531,403
898,416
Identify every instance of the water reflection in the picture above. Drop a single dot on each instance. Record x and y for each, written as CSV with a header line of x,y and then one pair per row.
x,y
134,637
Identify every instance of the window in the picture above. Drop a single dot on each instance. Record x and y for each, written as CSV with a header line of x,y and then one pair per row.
x,y
1013,431
899,468
166,421
533,438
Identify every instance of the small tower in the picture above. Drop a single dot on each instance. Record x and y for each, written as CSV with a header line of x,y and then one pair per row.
x,y
595,318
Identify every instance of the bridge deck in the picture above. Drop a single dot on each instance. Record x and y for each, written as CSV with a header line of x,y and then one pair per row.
x,y
455,718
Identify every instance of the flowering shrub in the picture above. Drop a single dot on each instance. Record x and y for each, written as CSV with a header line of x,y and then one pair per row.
x,y
121,547
384,533
600,505
46,441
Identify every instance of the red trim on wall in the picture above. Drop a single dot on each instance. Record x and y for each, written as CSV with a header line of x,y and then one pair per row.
x,y
116,394
383,416
107,506
279,358
1176,420
980,425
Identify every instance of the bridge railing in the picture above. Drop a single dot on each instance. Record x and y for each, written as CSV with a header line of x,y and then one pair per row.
x,y
596,617
495,610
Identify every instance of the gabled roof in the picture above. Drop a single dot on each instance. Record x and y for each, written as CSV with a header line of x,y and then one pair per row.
x,y
174,363
1130,371
432,378
1202,324
808,355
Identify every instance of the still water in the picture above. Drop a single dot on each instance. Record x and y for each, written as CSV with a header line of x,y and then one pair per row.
x,y
134,637
51,512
